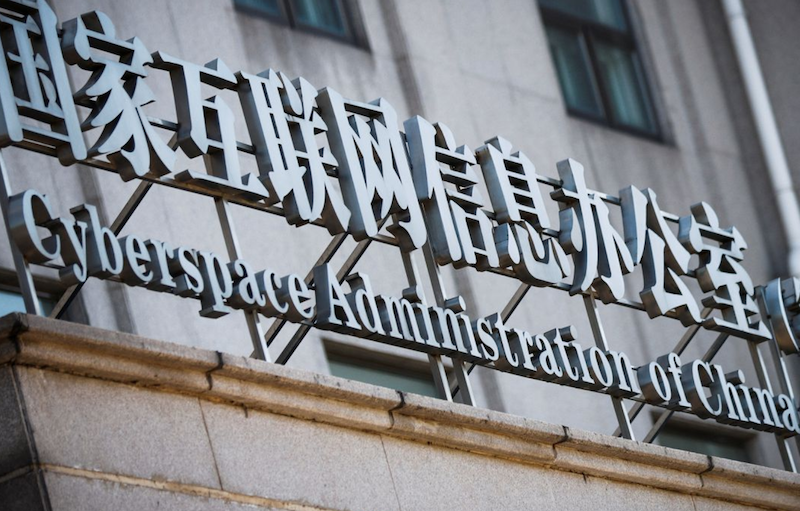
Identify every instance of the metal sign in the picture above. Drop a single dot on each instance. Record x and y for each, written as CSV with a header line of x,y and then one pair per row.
x,y
346,166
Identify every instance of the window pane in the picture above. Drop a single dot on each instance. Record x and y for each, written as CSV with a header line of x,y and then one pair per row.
x,y
383,375
10,302
13,302
623,80
606,12
704,443
266,6
574,73
322,14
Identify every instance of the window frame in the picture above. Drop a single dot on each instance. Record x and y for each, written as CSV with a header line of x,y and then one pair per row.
x,y
351,19
400,365
46,289
590,32
690,427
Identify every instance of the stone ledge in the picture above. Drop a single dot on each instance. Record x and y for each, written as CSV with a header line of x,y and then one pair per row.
x,y
87,351
257,371
480,419
640,452
744,482
746,472
608,466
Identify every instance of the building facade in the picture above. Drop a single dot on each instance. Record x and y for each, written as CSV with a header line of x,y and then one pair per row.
x,y
641,93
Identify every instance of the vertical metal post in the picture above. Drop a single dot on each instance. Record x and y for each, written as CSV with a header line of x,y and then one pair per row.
x,y
465,394
786,387
589,302
763,380
24,275
508,310
789,463
437,366
260,349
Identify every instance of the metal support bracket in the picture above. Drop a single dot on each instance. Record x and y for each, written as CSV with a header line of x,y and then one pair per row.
x,y
24,275
600,340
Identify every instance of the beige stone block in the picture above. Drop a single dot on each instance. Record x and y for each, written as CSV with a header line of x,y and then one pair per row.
x,y
115,428
432,478
70,493
705,504
283,458
617,496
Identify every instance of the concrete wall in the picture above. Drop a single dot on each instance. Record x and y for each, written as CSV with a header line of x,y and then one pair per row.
x,y
484,69
97,420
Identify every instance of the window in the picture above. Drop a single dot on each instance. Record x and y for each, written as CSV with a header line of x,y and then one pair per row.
x,y
328,17
11,301
712,443
384,370
598,65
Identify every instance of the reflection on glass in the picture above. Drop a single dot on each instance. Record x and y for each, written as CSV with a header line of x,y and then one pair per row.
x,y
605,12
574,74
13,302
322,14
621,73
382,374
265,6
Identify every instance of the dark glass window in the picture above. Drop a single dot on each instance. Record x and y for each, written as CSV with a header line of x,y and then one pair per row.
x,y
704,442
329,17
383,370
598,64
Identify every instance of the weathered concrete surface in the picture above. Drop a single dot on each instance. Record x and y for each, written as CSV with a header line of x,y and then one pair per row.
x,y
93,419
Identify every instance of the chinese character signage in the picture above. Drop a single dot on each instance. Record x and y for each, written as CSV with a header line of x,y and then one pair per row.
x,y
356,169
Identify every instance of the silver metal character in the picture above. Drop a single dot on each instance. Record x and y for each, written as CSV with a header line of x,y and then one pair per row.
x,y
599,252
116,94
653,245
460,232
207,126
782,301
283,122
520,210
720,251
36,105
373,168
